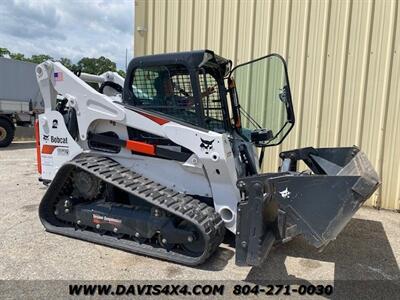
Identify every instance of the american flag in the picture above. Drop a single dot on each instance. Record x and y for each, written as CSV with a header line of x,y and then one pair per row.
x,y
58,76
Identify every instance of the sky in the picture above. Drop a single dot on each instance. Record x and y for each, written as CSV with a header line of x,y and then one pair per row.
x,y
69,28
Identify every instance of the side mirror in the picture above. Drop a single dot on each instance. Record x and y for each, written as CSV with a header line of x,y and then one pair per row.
x,y
258,136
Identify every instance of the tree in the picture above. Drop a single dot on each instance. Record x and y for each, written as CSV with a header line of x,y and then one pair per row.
x,y
67,63
87,64
18,56
38,59
96,65
4,52
121,73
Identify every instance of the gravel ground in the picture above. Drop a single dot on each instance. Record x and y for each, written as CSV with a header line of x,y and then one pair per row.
x,y
367,249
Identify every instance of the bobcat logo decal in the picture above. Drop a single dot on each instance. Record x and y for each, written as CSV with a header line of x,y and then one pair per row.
x,y
285,193
206,146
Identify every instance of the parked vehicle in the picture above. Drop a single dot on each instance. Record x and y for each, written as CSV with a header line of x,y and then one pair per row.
x,y
20,98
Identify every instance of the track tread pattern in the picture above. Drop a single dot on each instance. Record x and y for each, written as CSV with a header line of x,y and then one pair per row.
x,y
204,217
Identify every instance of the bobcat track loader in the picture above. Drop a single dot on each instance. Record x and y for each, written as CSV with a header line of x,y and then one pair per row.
x,y
175,165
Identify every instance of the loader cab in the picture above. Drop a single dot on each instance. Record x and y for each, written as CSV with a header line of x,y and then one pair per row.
x,y
199,88
186,87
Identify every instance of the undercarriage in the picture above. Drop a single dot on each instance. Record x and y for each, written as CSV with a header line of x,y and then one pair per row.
x,y
130,212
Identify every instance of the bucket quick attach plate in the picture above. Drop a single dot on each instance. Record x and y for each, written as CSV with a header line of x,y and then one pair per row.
x,y
275,207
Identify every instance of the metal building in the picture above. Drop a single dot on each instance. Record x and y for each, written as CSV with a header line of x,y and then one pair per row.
x,y
343,60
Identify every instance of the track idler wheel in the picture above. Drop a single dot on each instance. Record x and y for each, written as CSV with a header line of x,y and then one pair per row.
x,y
86,185
164,243
195,243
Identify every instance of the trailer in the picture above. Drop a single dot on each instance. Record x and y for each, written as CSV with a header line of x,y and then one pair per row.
x,y
20,98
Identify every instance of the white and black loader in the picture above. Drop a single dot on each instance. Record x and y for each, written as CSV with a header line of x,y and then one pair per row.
x,y
168,164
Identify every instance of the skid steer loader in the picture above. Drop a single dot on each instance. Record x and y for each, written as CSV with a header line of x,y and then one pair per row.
x,y
175,165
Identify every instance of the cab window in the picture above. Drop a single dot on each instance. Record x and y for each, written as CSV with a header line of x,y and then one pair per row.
x,y
167,90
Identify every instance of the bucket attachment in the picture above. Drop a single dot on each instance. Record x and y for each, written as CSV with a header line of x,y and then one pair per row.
x,y
276,207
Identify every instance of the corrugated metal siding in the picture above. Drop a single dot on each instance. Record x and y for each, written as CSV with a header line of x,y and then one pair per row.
x,y
343,60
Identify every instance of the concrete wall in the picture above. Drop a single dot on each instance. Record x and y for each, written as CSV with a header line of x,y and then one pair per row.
x,y
343,60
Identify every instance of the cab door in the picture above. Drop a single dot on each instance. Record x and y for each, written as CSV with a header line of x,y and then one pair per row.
x,y
263,91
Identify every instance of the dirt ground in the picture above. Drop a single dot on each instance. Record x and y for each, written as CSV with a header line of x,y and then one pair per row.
x,y
367,249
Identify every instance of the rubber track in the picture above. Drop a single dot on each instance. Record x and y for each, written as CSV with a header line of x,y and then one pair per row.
x,y
204,217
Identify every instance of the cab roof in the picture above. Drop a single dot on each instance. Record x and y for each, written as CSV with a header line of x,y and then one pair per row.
x,y
192,59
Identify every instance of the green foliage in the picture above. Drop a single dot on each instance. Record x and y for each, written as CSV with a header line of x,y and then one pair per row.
x,y
18,56
96,65
87,64
122,73
4,52
38,59
66,62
